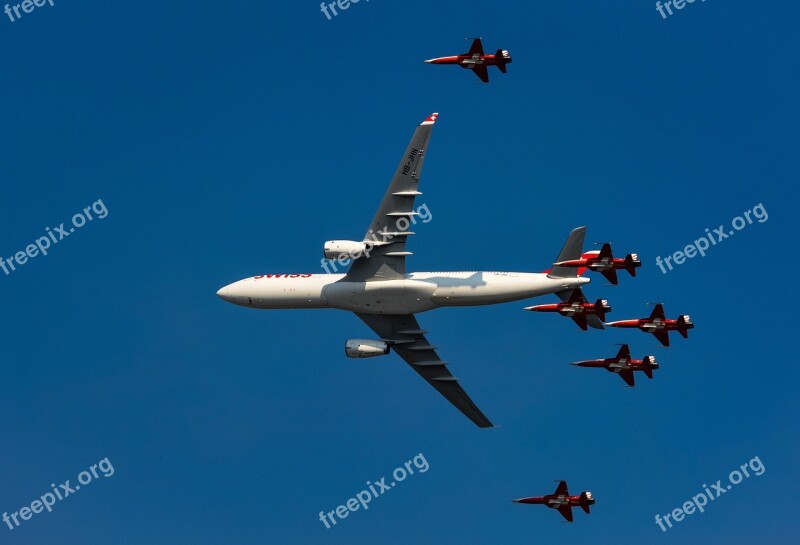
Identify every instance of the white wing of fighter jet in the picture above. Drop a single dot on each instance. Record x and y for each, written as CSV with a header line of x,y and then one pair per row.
x,y
388,233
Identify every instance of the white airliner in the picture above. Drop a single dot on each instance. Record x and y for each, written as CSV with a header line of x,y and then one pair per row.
x,y
380,292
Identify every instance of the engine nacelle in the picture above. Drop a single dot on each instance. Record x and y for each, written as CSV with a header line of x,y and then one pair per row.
x,y
365,348
335,249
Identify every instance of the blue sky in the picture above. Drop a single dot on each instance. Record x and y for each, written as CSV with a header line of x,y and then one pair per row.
x,y
228,140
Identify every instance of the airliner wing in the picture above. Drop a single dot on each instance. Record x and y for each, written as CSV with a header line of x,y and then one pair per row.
x,y
395,217
409,341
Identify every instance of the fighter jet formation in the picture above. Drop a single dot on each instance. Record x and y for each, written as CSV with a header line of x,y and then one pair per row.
x,y
379,291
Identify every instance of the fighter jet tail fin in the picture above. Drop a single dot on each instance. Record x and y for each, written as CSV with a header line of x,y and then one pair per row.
x,y
649,364
572,250
502,58
586,497
631,263
600,309
684,323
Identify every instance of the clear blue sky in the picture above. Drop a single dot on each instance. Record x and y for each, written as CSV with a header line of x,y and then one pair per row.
x,y
232,139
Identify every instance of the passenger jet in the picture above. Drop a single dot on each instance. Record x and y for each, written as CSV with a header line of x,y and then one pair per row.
x,y
380,292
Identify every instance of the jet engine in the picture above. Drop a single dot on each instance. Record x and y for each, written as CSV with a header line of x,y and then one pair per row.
x,y
335,249
365,348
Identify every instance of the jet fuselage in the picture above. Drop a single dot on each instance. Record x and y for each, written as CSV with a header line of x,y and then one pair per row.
x,y
468,61
556,501
417,292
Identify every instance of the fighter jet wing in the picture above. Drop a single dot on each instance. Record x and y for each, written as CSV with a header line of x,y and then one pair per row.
x,y
391,225
482,72
611,276
566,512
409,341
662,335
594,321
627,376
624,352
561,489
658,312
576,296
572,296
476,48
580,319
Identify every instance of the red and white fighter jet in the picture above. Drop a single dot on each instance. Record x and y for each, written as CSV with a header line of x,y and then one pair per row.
x,y
658,324
562,501
604,262
579,309
623,365
476,60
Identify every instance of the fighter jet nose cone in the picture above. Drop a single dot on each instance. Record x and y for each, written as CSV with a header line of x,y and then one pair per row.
x,y
430,61
223,294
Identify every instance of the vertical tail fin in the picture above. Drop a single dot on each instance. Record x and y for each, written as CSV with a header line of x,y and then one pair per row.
x,y
586,501
684,324
648,364
631,262
572,250
600,309
502,58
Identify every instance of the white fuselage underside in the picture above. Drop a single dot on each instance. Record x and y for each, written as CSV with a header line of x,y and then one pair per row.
x,y
417,292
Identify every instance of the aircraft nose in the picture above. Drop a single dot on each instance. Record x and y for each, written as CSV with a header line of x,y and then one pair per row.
x,y
230,294
238,293
430,61
225,293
